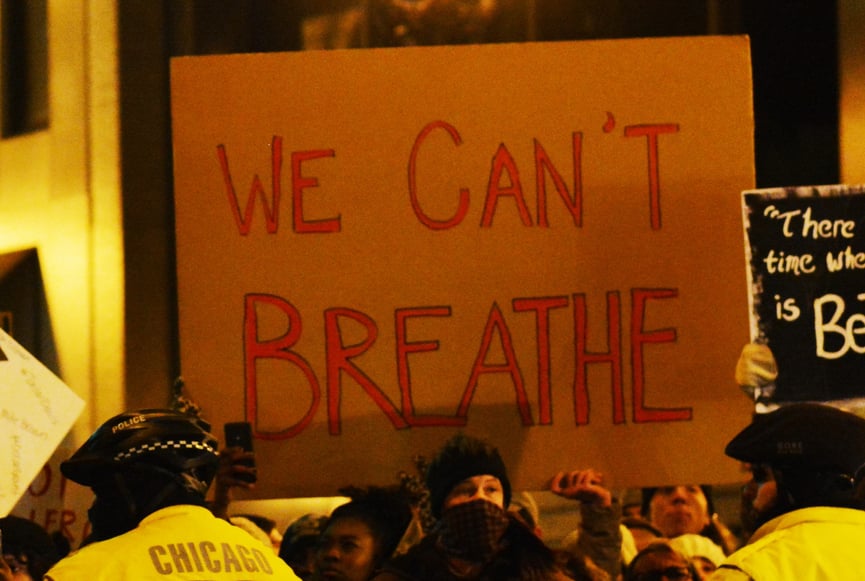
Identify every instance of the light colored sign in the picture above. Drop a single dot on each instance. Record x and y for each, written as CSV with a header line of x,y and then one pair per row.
x,y
37,410
539,244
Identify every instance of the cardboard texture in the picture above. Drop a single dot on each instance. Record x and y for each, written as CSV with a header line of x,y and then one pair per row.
x,y
538,244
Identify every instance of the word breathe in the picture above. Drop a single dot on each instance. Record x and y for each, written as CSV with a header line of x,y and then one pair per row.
x,y
339,359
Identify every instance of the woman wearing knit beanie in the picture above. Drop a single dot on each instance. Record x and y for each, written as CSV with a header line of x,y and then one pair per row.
x,y
474,538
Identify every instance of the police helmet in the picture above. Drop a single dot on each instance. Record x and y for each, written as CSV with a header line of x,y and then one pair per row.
x,y
173,441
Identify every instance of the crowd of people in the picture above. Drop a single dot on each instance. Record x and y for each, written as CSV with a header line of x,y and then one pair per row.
x,y
803,511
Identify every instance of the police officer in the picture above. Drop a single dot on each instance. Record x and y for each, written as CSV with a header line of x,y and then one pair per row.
x,y
806,495
150,471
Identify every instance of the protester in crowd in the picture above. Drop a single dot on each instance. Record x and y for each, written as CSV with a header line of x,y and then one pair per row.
x,y
686,509
361,534
599,537
28,550
660,562
632,510
807,464
264,525
300,541
702,553
150,471
642,532
244,523
474,538
678,510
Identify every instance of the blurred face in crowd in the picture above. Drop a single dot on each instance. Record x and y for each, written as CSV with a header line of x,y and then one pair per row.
x,y
642,536
759,497
17,567
301,558
631,510
275,539
704,567
661,565
346,551
484,487
679,510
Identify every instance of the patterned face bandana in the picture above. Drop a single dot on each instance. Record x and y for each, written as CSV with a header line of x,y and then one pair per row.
x,y
472,530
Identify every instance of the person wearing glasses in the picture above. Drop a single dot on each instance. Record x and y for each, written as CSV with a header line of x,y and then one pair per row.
x,y
659,561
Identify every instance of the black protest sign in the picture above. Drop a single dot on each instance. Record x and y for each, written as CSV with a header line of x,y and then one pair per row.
x,y
806,257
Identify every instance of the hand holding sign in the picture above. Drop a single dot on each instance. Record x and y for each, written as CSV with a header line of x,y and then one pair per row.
x,y
44,411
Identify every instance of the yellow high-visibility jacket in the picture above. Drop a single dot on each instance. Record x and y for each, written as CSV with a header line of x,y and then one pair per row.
x,y
178,542
809,544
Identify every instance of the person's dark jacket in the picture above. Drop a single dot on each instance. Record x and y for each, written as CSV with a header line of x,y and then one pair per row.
x,y
523,557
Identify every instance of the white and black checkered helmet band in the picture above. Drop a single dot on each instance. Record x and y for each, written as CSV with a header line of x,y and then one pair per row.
x,y
171,439
167,446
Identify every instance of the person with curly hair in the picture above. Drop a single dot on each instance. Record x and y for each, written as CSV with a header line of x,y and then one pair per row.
x,y
28,550
361,534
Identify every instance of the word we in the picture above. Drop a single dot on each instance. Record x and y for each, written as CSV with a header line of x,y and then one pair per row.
x,y
504,180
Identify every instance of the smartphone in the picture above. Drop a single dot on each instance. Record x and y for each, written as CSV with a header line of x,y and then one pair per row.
x,y
240,434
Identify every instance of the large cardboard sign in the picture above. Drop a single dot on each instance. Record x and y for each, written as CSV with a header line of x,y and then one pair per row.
x,y
37,410
539,244
806,253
